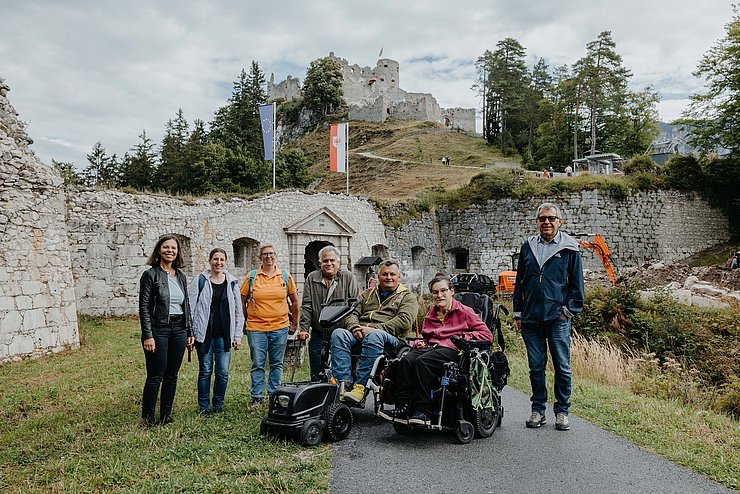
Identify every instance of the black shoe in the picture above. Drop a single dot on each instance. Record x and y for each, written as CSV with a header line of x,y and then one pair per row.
x,y
419,417
400,414
217,410
167,419
256,402
149,421
204,412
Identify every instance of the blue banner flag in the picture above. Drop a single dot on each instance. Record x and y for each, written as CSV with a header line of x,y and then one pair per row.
x,y
266,118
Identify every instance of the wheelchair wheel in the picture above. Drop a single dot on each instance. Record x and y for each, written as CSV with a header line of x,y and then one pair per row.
x,y
485,422
311,433
464,432
338,421
402,429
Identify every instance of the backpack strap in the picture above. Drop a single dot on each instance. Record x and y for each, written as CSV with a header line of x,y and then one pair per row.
x,y
285,279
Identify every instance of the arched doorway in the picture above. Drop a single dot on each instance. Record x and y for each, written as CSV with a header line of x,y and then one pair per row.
x,y
246,254
187,256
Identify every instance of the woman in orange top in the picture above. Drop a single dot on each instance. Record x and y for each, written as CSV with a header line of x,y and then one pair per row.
x,y
266,310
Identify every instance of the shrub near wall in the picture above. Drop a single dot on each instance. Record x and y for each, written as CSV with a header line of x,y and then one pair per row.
x,y
687,352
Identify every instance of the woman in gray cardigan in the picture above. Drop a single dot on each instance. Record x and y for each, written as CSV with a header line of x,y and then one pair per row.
x,y
217,326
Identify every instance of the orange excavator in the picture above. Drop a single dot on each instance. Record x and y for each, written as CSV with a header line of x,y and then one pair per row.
x,y
507,279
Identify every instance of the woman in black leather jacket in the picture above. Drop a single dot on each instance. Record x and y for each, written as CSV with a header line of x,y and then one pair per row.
x,y
165,326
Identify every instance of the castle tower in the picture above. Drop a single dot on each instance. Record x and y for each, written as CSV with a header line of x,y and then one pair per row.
x,y
386,73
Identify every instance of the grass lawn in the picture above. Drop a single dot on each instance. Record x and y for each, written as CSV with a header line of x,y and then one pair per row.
x,y
70,422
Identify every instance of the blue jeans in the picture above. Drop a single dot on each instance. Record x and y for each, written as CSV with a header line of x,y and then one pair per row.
x,y
315,345
537,338
373,344
217,357
264,344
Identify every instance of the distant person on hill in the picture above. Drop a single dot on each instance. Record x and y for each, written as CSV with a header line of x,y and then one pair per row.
x,y
568,171
218,321
547,294
551,170
164,313
545,173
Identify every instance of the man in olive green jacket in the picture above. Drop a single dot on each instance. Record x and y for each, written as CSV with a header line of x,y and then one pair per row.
x,y
382,315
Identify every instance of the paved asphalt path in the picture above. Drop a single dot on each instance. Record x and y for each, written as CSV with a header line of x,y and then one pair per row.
x,y
586,459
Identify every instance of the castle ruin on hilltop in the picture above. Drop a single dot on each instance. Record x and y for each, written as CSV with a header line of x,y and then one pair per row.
x,y
374,95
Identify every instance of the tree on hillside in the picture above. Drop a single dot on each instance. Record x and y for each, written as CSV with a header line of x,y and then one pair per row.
x,y
237,124
504,82
603,85
713,118
292,169
138,167
101,170
322,89
638,123
174,171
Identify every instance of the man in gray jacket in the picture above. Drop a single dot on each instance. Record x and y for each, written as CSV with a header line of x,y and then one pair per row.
x,y
330,282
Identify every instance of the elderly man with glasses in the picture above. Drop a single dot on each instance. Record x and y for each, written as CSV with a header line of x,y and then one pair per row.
x,y
547,293
321,286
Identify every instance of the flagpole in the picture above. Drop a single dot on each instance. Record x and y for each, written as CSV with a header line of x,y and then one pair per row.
x,y
274,151
346,152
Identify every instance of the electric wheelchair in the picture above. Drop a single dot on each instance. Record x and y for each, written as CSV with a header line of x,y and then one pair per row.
x,y
468,400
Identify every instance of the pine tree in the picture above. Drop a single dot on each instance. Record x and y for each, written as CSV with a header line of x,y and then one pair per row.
x,y
102,170
67,171
139,166
174,169
603,85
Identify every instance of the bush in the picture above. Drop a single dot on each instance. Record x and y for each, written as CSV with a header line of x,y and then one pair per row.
x,y
640,164
684,173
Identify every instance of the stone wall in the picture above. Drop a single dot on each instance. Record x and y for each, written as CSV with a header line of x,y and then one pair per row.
x,y
37,301
459,118
664,225
112,234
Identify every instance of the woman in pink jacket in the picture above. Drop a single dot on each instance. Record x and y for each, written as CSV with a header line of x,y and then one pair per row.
x,y
419,371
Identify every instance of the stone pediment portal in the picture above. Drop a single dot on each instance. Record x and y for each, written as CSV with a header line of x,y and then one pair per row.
x,y
308,235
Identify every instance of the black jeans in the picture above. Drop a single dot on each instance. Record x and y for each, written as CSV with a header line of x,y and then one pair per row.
x,y
162,367
418,376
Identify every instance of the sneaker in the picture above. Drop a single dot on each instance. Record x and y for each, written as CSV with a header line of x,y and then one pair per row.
x,y
167,419
357,394
256,402
561,422
535,420
419,417
204,411
400,414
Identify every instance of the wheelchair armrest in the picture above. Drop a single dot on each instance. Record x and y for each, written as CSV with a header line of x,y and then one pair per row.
x,y
464,344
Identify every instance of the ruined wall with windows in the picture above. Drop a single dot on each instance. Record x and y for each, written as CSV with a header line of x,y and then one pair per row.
x,y
374,94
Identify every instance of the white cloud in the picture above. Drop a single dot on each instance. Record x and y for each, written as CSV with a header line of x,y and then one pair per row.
x,y
82,72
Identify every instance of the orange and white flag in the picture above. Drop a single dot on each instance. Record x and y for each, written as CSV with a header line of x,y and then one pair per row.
x,y
338,148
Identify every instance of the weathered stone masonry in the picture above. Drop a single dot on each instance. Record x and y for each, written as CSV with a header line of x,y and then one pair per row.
x,y
37,300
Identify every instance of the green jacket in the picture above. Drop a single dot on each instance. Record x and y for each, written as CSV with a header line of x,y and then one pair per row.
x,y
396,315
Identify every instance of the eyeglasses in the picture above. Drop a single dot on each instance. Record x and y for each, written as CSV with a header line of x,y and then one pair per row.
x,y
267,254
443,291
551,219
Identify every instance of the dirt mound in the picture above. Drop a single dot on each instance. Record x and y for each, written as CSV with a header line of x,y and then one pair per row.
x,y
651,275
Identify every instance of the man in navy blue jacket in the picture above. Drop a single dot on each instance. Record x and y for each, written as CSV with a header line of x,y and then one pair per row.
x,y
547,293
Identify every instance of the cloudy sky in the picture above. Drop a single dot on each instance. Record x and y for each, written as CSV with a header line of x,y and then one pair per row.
x,y
99,70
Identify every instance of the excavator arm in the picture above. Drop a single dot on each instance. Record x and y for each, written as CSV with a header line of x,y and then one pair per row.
x,y
602,250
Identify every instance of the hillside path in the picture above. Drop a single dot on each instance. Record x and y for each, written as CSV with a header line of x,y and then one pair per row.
x,y
370,155
586,459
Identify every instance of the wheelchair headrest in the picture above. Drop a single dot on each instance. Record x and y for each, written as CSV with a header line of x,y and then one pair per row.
x,y
481,304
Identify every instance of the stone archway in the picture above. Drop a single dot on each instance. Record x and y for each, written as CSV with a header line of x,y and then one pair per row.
x,y
308,235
